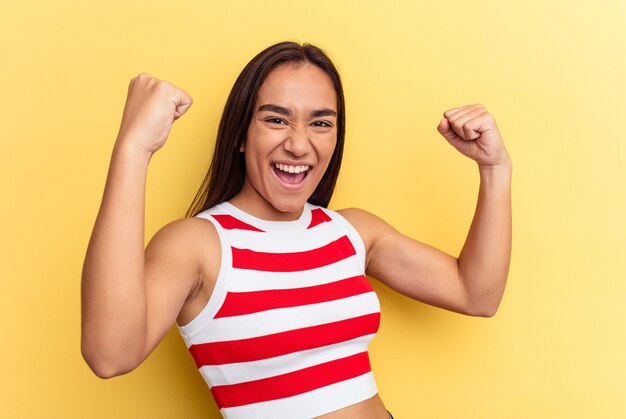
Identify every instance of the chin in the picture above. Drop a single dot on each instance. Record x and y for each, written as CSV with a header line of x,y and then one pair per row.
x,y
289,205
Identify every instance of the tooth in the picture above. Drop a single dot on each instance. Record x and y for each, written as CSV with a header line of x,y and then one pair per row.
x,y
298,169
292,169
280,166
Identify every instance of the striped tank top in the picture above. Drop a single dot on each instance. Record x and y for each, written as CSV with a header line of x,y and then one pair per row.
x,y
286,330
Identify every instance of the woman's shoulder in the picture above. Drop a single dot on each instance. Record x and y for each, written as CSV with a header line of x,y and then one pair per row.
x,y
187,232
190,248
192,240
360,218
365,223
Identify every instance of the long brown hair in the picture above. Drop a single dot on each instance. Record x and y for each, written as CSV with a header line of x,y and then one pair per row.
x,y
227,171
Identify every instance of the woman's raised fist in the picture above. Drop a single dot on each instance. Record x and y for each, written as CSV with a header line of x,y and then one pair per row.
x,y
473,131
152,106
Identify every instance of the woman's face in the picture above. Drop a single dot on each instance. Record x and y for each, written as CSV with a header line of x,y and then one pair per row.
x,y
291,138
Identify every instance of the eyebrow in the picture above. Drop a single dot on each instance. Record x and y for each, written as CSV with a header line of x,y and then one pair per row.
x,y
323,112
287,112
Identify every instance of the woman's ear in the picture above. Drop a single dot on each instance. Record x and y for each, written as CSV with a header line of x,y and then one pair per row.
x,y
242,147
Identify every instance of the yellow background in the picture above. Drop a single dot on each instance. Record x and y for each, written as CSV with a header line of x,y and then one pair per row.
x,y
552,74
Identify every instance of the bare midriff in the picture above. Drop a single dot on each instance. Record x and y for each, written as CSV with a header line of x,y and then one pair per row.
x,y
372,408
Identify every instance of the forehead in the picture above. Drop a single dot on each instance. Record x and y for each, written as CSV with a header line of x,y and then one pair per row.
x,y
298,86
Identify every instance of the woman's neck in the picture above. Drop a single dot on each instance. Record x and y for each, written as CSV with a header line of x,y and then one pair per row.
x,y
250,201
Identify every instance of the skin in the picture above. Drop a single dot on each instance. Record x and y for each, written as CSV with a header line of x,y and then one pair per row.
x,y
291,132
131,297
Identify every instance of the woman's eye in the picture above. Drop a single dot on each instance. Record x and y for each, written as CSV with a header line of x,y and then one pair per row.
x,y
275,121
321,124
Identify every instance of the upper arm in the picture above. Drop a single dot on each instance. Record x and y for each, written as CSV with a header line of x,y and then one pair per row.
x,y
175,267
408,266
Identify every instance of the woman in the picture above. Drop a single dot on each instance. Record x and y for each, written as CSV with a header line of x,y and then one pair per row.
x,y
266,285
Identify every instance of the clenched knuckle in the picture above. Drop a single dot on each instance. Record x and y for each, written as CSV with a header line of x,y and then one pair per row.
x,y
163,86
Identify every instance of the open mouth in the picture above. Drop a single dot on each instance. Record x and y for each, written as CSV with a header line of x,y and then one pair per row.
x,y
291,174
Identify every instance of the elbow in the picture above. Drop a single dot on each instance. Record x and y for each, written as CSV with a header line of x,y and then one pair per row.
x,y
100,369
486,312
483,304
485,309
102,366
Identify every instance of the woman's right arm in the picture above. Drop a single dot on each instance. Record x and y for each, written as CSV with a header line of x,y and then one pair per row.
x,y
129,298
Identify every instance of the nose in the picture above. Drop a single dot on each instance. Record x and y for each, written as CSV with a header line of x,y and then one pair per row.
x,y
297,143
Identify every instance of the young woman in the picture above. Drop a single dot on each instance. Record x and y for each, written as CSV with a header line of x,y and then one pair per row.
x,y
266,285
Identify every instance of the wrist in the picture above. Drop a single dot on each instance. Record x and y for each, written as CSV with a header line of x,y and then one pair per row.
x,y
500,172
504,165
128,150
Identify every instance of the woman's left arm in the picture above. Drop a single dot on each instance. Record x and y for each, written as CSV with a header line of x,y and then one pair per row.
x,y
474,282
485,257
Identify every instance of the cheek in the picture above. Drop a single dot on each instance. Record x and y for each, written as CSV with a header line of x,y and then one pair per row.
x,y
259,146
261,141
327,146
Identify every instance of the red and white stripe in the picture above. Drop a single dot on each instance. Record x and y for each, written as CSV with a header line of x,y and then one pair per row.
x,y
286,331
